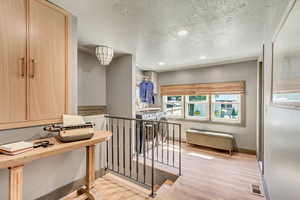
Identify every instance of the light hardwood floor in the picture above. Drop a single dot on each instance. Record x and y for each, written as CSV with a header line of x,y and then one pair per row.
x,y
214,175
206,175
112,187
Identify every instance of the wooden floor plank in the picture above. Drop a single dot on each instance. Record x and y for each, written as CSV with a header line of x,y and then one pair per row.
x,y
207,175
213,175
111,187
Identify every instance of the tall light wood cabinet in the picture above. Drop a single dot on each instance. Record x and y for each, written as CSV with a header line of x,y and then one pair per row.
x,y
47,47
12,60
33,63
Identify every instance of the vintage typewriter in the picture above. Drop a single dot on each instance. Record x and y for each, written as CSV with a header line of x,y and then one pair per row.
x,y
72,133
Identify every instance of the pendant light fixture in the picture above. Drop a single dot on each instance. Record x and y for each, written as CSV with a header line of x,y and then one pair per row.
x,y
104,54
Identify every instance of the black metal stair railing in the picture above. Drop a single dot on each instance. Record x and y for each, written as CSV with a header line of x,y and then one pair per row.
x,y
138,145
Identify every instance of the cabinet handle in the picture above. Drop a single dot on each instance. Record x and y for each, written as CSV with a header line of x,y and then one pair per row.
x,y
33,62
22,67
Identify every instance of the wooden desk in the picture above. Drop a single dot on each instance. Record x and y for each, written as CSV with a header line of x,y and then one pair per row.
x,y
15,163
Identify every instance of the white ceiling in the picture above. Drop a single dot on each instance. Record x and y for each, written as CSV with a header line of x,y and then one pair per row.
x,y
219,30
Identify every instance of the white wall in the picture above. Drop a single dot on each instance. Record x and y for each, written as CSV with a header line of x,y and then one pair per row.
x,y
245,136
91,80
282,127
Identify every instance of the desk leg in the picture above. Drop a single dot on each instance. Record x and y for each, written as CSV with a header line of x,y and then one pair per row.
x,y
15,183
90,167
90,173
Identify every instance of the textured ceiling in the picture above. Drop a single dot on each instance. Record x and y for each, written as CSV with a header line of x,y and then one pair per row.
x,y
218,30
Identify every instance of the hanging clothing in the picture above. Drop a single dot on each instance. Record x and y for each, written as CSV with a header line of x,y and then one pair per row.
x,y
149,93
146,92
143,89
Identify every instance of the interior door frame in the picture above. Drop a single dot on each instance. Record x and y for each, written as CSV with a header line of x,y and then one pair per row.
x,y
260,108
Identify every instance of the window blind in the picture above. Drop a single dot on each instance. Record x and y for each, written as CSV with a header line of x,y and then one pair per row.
x,y
235,87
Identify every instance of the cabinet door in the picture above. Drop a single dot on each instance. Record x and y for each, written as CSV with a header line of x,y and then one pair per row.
x,y
48,61
12,61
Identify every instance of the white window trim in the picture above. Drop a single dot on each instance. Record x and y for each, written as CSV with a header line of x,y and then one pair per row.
x,y
193,102
165,102
210,101
233,121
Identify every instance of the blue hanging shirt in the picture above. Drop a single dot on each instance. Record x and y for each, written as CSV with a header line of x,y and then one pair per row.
x,y
146,92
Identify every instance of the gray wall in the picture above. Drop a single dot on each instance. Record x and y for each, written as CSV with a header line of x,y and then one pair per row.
x,y
73,72
91,80
120,90
282,128
245,136
120,93
46,175
139,79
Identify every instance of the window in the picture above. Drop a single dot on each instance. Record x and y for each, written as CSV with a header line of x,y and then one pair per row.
x,y
173,106
197,107
226,107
